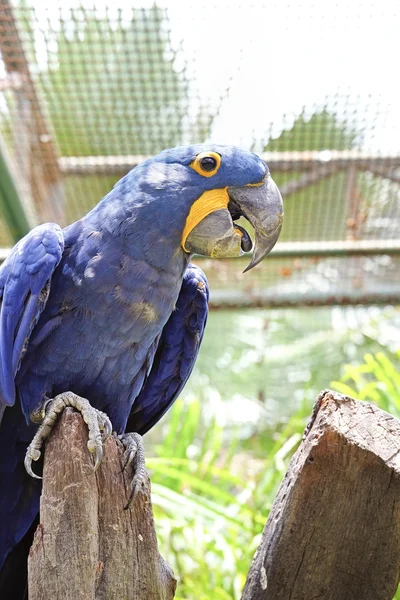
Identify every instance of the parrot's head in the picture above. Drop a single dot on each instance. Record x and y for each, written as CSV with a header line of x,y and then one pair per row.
x,y
197,193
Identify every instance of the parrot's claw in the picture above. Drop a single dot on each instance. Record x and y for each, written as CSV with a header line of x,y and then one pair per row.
x,y
99,426
134,453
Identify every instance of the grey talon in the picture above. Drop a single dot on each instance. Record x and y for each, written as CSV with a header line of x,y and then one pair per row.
x,y
134,453
31,454
99,427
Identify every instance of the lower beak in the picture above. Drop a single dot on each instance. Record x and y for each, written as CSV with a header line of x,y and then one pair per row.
x,y
262,206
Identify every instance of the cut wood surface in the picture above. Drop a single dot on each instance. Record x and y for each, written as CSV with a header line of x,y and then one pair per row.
x,y
334,529
87,547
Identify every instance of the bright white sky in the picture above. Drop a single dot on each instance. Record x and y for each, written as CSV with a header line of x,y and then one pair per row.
x,y
277,58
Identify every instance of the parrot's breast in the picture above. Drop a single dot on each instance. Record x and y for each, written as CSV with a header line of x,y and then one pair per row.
x,y
99,331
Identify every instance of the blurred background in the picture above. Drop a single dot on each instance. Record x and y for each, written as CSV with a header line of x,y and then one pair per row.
x,y
90,89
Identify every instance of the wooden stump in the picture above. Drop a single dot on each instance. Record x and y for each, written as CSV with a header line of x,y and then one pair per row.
x,y
334,529
87,547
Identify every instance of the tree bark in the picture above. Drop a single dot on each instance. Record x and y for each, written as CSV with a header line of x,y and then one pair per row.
x,y
87,546
334,529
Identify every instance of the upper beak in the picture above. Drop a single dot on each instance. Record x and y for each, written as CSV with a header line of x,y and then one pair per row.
x,y
262,206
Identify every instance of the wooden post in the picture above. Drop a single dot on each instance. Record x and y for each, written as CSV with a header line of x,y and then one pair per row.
x,y
39,148
334,529
87,546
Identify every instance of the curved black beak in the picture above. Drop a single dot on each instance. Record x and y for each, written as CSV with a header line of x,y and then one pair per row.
x,y
262,206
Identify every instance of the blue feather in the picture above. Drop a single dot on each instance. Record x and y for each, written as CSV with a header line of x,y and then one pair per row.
x,y
24,279
176,353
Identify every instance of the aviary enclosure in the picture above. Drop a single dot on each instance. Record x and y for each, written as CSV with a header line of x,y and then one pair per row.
x,y
90,90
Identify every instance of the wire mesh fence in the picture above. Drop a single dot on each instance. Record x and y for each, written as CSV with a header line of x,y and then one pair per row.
x,y
87,90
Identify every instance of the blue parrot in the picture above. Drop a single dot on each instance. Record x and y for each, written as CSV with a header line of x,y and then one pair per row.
x,y
111,310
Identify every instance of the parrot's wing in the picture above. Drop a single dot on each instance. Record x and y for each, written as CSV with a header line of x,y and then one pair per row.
x,y
24,288
176,353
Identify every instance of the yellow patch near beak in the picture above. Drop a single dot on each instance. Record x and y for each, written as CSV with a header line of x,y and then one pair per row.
x,y
207,203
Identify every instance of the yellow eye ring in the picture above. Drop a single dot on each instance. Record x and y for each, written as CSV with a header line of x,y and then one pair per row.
x,y
206,163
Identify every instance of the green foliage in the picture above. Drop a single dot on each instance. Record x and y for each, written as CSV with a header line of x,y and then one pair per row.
x,y
308,208
376,380
112,87
321,131
211,499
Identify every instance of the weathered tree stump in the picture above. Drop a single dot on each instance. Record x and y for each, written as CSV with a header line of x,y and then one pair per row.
x,y
87,547
334,529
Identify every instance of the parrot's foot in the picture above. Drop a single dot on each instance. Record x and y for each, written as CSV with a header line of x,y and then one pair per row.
x,y
134,453
99,426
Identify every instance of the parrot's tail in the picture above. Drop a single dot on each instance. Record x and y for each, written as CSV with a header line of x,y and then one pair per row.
x,y
19,504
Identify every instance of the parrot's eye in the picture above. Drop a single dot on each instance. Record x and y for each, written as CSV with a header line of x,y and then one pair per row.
x,y
206,163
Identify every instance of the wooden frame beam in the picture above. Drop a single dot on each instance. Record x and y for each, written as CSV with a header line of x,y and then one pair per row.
x,y
278,162
45,182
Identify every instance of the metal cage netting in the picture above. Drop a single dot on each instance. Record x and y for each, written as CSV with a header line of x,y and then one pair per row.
x,y
87,91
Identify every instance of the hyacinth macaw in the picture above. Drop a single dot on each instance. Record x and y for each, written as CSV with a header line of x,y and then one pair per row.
x,y
111,309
